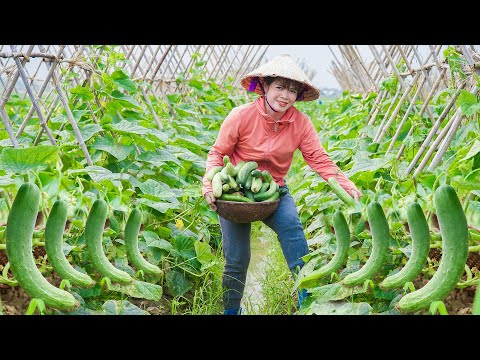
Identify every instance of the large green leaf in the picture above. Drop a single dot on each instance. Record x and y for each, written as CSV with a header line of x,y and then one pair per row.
x,y
157,205
122,307
33,158
178,283
115,148
155,190
362,163
139,289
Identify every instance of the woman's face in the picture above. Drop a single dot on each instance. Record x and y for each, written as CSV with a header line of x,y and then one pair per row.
x,y
279,97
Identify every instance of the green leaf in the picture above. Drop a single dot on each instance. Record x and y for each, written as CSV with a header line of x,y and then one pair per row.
x,y
159,206
468,102
121,78
155,190
122,307
363,163
474,150
82,92
139,289
89,130
115,148
125,100
204,254
178,283
128,127
31,158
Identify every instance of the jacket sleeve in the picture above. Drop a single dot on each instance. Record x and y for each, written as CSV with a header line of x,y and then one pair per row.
x,y
317,158
224,145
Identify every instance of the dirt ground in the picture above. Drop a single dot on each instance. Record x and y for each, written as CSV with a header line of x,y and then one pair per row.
x,y
15,301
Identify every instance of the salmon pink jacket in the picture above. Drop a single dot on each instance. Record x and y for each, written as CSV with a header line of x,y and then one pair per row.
x,y
248,133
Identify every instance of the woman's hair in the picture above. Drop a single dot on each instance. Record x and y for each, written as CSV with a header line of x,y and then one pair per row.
x,y
286,83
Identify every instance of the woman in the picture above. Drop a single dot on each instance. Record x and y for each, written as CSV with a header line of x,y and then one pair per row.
x,y
268,131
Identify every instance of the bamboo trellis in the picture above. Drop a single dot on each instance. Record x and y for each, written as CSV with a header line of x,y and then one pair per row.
x,y
43,76
422,72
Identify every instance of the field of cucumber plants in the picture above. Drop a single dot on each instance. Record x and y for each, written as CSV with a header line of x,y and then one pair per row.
x,y
127,231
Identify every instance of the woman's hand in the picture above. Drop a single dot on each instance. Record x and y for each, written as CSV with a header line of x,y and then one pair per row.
x,y
211,200
355,193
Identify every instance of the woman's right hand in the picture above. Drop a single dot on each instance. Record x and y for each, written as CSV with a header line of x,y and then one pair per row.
x,y
211,200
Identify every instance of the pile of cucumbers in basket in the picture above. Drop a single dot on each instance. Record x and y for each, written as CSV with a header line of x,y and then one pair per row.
x,y
243,182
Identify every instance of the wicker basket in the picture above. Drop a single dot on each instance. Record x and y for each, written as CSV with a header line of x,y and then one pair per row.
x,y
245,212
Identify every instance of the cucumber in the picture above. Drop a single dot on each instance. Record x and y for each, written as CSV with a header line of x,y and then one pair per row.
x,y
274,197
340,192
132,228
282,191
54,229
420,234
246,169
231,197
342,234
239,166
212,171
454,230
226,159
267,194
256,184
224,175
380,240
248,182
267,177
19,233
256,173
217,185
93,239
249,194
225,188
264,187
231,170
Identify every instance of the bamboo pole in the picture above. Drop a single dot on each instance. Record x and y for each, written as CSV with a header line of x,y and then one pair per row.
x,y
405,116
398,107
387,114
431,134
23,76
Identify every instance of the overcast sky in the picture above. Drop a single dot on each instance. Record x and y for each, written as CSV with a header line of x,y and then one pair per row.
x,y
317,57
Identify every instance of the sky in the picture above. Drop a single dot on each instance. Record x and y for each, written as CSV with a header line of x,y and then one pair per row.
x,y
317,57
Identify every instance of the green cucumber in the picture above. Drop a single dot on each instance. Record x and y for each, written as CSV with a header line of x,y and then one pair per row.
x,y
256,184
246,169
264,187
226,159
380,240
239,166
231,197
248,182
267,177
217,185
420,234
256,173
212,171
267,194
93,239
454,230
274,197
132,228
341,192
249,194
19,233
231,170
54,229
282,191
342,234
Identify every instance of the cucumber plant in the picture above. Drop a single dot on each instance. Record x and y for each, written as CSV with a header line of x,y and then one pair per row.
x,y
54,229
19,232
380,240
132,228
454,230
93,238
420,234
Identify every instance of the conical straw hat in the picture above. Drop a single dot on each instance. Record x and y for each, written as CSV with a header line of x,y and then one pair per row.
x,y
284,66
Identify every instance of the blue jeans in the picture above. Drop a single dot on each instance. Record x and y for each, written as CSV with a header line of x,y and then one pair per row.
x,y
236,247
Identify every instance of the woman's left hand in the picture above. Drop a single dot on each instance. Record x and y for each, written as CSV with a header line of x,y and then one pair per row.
x,y
355,193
